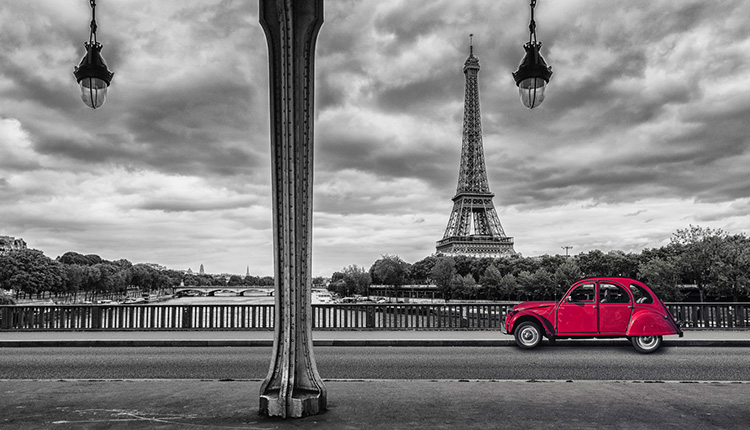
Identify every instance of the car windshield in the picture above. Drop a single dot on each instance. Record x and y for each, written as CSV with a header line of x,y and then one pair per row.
x,y
640,294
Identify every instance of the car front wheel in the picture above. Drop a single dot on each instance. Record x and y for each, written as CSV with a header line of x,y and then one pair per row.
x,y
528,335
646,344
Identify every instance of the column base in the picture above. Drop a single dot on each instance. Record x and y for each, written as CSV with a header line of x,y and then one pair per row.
x,y
303,403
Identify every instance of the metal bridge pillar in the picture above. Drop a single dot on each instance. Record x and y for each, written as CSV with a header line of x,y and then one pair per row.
x,y
293,387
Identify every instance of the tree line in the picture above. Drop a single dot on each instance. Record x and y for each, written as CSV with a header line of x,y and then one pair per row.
x,y
73,276
716,264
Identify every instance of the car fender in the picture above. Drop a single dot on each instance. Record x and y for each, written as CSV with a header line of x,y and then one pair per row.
x,y
647,322
531,316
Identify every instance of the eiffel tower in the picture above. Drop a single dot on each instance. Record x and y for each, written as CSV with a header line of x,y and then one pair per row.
x,y
472,204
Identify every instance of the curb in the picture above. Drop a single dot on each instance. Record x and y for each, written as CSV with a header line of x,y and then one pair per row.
x,y
346,343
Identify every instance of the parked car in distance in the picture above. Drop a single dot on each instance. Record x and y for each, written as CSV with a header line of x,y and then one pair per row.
x,y
602,307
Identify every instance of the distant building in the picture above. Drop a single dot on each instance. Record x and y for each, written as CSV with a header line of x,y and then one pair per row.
x,y
8,244
202,272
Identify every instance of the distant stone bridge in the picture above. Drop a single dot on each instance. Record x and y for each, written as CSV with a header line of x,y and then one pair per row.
x,y
240,290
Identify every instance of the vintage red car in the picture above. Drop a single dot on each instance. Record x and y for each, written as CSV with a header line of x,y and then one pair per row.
x,y
595,308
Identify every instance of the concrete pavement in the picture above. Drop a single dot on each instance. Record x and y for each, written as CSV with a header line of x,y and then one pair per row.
x,y
367,404
733,338
377,404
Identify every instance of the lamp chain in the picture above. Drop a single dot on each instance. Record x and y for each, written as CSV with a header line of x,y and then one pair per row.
x,y
92,35
532,24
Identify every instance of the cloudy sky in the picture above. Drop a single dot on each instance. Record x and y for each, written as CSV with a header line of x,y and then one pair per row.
x,y
645,128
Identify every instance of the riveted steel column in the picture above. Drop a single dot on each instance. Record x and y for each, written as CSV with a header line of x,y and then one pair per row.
x,y
293,387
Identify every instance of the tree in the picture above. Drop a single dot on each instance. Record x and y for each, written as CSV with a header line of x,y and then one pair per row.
x,y
390,270
698,250
491,281
191,280
6,300
621,264
592,264
420,271
442,274
551,263
509,287
525,283
480,265
112,278
357,280
235,280
75,275
464,286
566,274
463,264
542,285
338,284
141,277
29,271
71,257
663,276
731,271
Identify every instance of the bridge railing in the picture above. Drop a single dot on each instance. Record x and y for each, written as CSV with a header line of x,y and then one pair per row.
x,y
402,316
698,315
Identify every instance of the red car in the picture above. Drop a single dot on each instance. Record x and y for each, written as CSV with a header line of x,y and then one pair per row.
x,y
595,308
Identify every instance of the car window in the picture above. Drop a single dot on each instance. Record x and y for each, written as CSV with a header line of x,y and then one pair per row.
x,y
611,293
640,294
582,293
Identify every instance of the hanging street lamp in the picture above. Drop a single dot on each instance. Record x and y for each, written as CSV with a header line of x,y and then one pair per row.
x,y
92,74
533,74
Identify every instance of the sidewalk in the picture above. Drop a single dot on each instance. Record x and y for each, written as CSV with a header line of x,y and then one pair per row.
x,y
377,404
733,338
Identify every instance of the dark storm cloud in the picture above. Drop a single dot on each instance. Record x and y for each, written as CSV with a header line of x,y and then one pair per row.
x,y
384,157
192,205
421,95
202,123
31,84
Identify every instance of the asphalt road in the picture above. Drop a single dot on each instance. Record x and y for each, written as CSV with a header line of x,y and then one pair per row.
x,y
492,363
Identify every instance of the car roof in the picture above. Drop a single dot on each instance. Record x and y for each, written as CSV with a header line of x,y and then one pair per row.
x,y
611,278
618,279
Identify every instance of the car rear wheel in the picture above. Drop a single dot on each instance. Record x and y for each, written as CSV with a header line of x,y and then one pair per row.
x,y
646,344
528,335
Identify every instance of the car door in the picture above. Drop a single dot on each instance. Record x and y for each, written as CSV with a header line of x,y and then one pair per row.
x,y
615,308
577,312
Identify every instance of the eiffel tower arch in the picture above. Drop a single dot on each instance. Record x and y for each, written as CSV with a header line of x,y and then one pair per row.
x,y
474,228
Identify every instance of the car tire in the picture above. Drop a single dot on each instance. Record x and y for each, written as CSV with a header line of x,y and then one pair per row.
x,y
528,335
646,344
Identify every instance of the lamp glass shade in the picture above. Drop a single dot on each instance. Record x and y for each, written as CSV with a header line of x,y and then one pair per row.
x,y
531,91
93,76
93,92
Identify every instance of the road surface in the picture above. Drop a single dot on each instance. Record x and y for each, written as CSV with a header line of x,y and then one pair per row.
x,y
430,363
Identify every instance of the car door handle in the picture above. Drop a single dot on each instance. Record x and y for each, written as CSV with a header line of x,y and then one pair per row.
x,y
594,306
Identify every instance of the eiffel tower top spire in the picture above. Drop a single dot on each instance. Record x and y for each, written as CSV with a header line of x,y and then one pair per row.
x,y
472,62
472,176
